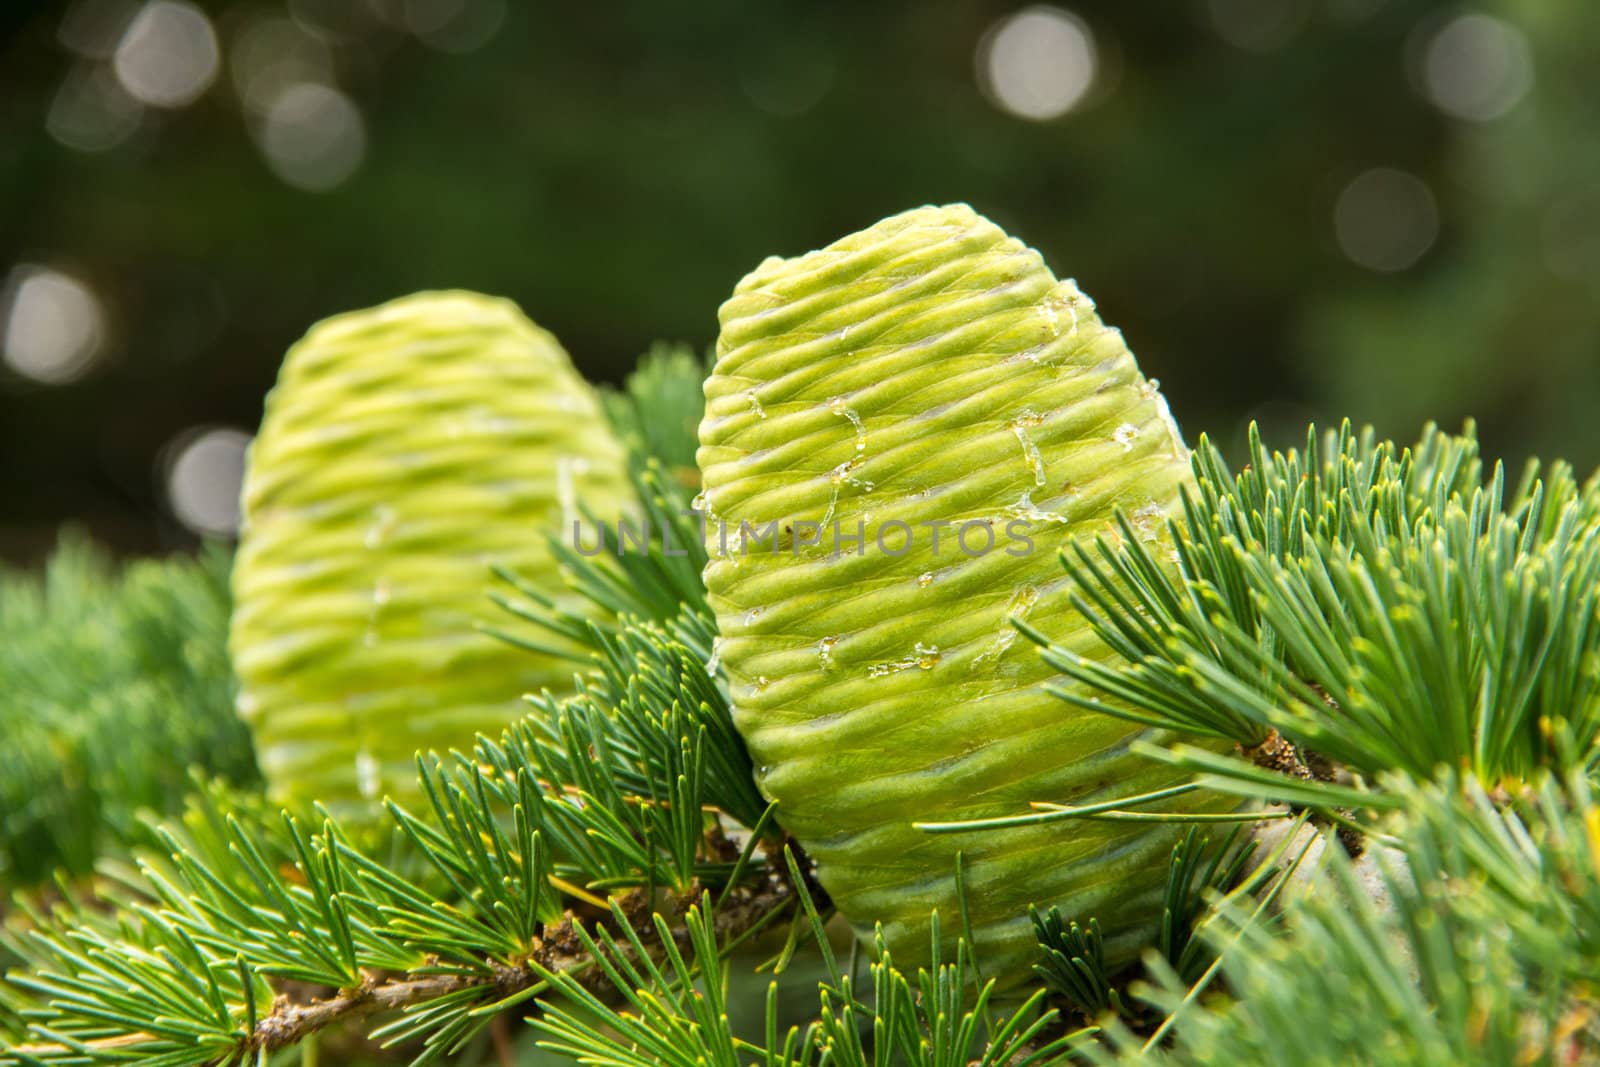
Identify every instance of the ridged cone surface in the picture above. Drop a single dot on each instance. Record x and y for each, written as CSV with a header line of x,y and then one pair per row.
x,y
404,449
930,368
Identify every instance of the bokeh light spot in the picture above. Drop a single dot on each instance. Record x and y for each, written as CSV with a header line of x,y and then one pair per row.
x,y
454,25
1385,219
313,136
268,55
168,55
204,472
1258,25
789,83
1353,10
92,28
91,112
1477,67
54,327
1038,63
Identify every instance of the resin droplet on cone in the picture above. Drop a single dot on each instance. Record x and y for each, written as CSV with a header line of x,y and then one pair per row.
x,y
404,449
931,370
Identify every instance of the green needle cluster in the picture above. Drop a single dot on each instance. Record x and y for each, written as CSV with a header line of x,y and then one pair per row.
x,y
999,759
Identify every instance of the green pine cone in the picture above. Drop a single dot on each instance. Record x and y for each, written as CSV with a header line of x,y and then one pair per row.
x,y
931,369
404,449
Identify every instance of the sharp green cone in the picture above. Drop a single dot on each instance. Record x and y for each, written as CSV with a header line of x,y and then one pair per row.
x,y
404,449
931,370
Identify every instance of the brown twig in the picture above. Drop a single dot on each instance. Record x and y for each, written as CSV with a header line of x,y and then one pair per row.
x,y
559,951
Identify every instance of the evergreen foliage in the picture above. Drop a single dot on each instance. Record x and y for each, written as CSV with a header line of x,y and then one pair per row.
x,y
1391,610
113,681
182,958
1484,953
657,410
606,868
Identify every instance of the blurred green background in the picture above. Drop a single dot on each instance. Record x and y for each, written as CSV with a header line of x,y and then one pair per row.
x,y
1294,209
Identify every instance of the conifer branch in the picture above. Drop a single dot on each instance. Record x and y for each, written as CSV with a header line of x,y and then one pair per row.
x,y
1474,943
113,681
582,869
1390,609
559,952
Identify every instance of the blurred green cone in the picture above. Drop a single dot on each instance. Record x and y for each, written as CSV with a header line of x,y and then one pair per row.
x,y
931,370
404,449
